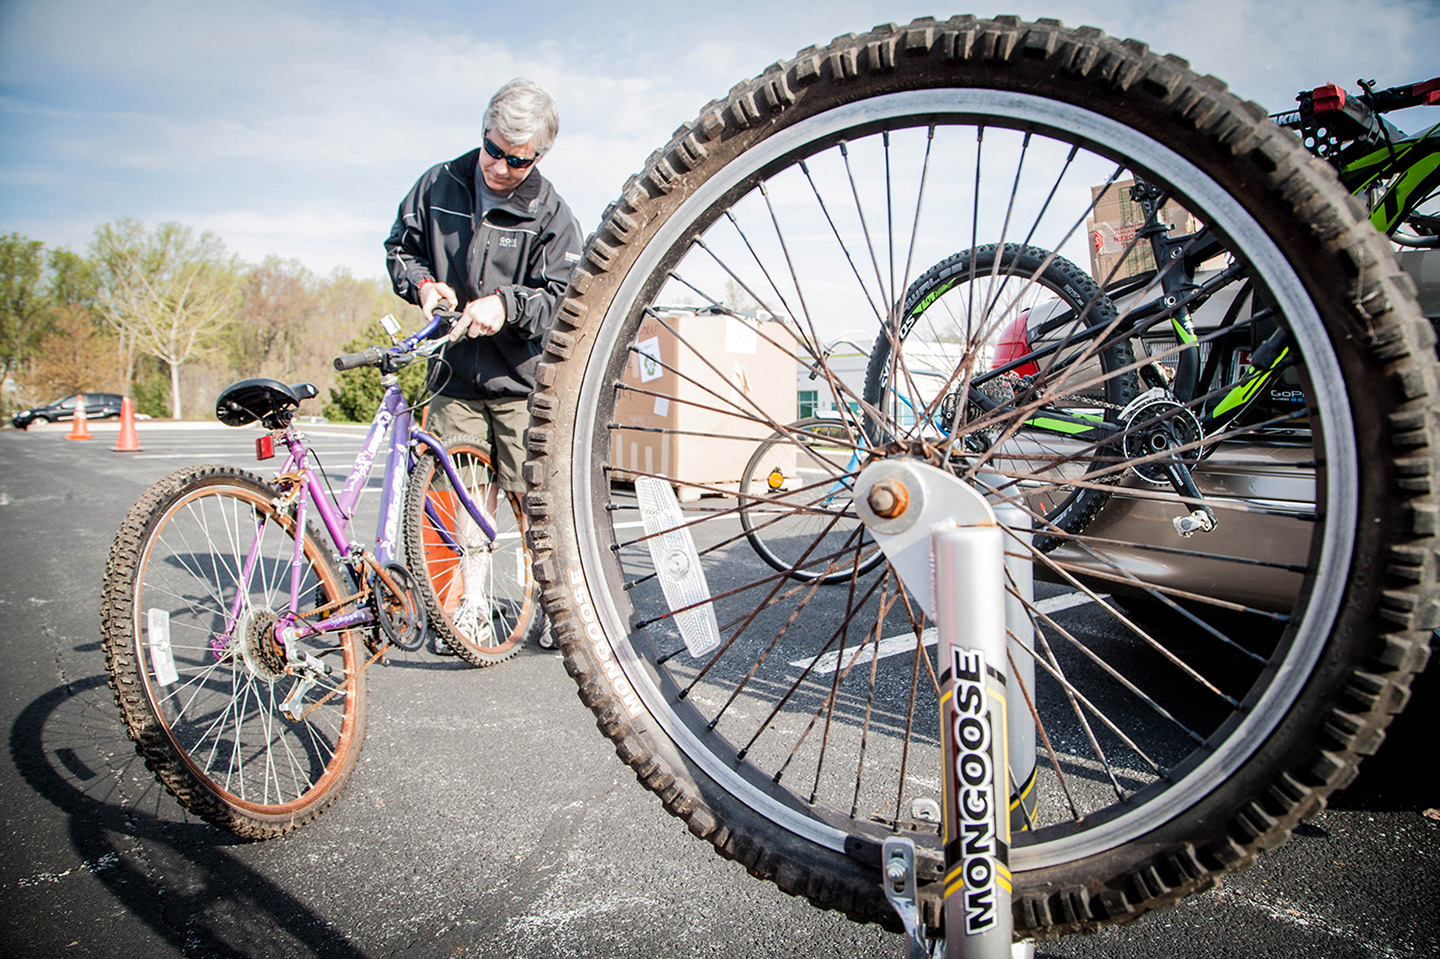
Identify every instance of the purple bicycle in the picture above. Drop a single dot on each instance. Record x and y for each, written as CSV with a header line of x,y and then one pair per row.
x,y
238,632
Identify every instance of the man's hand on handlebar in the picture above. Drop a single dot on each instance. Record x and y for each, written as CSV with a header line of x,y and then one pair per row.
x,y
482,317
436,296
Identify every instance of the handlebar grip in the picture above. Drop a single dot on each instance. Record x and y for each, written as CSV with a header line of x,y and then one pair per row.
x,y
370,356
438,325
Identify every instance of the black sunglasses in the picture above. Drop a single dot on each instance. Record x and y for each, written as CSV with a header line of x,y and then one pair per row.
x,y
517,163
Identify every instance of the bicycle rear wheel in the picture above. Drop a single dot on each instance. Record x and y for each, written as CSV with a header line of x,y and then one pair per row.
x,y
810,733
481,597
198,578
796,506
1011,301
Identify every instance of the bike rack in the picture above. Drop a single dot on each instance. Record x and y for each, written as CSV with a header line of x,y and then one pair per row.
x,y
944,541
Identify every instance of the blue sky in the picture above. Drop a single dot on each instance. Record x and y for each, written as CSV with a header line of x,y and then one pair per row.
x,y
294,128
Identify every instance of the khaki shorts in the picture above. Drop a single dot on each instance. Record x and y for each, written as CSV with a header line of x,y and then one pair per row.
x,y
499,424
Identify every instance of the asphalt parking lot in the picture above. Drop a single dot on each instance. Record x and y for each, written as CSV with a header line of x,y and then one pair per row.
x,y
488,817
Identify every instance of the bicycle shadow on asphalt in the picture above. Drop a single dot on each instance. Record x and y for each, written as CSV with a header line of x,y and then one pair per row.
x,y
175,876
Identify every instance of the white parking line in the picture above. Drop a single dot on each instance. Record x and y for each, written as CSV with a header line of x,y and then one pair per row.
x,y
896,645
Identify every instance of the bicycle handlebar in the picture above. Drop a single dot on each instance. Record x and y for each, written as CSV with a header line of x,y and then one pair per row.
x,y
438,325
370,356
1426,94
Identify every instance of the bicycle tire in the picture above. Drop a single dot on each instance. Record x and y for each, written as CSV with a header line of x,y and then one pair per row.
x,y
225,750
794,516
717,737
1014,282
507,587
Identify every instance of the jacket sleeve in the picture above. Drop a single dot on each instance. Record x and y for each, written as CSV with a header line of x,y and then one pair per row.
x,y
407,251
530,306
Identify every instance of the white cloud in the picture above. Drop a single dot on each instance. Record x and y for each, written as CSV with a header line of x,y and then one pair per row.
x,y
344,241
294,129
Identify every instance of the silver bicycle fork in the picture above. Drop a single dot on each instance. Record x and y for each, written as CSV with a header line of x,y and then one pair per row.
x,y
945,542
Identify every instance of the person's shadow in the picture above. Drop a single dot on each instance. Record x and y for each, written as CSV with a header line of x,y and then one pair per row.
x,y
191,891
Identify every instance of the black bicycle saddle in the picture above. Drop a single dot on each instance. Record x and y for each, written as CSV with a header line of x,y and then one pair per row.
x,y
261,398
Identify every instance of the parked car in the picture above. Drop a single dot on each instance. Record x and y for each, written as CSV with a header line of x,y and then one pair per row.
x,y
98,406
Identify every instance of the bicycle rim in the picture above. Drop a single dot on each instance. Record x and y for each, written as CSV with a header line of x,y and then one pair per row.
x,y
809,726
213,675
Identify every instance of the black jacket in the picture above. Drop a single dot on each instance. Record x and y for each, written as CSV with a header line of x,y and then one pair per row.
x,y
524,249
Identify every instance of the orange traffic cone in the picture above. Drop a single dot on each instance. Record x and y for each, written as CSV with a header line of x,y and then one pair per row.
x,y
129,441
81,429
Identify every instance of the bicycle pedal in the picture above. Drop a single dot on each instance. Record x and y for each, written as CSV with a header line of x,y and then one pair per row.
x,y
1197,522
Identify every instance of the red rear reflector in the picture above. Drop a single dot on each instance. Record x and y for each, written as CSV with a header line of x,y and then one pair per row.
x,y
1329,98
1014,343
264,447
1428,92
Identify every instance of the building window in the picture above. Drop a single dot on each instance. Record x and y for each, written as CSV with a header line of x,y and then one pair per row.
x,y
808,402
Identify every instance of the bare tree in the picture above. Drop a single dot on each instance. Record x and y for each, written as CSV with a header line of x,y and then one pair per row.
x,y
167,293
737,298
281,312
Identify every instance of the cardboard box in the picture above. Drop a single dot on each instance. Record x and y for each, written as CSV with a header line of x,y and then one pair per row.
x,y
1113,222
695,396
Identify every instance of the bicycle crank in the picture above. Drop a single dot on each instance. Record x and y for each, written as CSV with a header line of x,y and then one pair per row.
x,y
398,607
1164,439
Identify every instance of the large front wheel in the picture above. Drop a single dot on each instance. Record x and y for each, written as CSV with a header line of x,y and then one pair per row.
x,y
803,730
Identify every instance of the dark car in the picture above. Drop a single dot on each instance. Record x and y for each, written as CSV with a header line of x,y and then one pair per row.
x,y
98,406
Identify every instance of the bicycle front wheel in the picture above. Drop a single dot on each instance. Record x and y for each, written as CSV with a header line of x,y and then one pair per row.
x,y
251,731
803,730
480,596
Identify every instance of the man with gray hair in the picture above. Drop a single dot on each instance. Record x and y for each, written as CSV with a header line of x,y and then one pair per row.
x,y
486,233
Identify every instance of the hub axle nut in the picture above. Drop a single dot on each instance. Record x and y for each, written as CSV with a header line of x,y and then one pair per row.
x,y
888,498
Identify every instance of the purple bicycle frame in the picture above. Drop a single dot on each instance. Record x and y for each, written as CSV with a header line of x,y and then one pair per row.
x,y
393,418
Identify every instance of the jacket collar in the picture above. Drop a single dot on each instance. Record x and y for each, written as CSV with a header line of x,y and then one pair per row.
x,y
524,202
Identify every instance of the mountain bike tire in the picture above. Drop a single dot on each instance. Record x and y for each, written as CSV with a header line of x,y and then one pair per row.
x,y
722,738
207,719
1014,282
509,597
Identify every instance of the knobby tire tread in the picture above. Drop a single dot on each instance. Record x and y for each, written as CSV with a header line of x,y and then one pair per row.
x,y
415,554
1352,693
123,666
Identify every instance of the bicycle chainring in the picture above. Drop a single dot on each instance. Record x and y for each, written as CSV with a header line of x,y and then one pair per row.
x,y
402,615
1156,422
